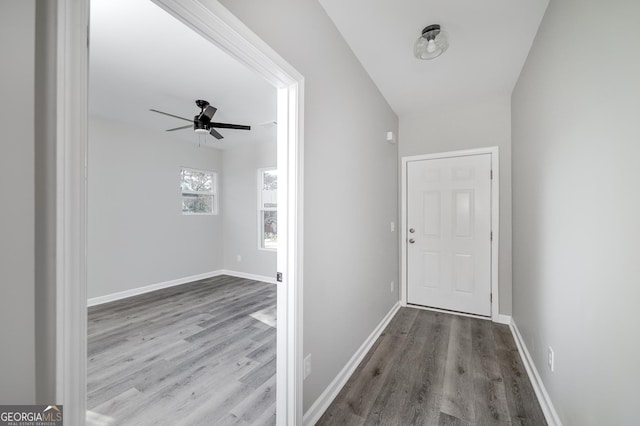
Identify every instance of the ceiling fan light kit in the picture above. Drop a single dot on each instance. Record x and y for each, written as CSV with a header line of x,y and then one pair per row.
x,y
432,43
202,123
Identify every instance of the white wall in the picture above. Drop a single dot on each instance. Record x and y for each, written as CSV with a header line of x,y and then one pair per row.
x,y
240,208
350,184
137,233
476,124
576,204
17,185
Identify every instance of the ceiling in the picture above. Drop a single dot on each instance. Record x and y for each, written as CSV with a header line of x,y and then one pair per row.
x,y
489,41
142,58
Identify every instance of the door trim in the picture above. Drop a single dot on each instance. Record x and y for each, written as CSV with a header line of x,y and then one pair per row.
x,y
495,219
221,27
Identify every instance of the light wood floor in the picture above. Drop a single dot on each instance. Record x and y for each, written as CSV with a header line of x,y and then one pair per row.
x,y
430,368
196,354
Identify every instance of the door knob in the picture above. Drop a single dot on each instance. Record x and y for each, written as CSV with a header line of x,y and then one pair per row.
x,y
412,230
411,241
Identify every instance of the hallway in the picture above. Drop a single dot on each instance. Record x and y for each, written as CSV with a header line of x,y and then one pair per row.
x,y
431,368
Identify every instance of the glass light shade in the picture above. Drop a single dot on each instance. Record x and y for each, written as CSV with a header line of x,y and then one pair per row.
x,y
431,44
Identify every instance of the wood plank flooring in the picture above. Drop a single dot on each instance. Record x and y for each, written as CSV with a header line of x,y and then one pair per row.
x,y
201,353
431,368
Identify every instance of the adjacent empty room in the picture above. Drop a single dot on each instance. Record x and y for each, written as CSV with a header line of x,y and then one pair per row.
x,y
182,219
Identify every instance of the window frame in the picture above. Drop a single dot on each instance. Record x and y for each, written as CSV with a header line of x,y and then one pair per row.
x,y
262,210
213,193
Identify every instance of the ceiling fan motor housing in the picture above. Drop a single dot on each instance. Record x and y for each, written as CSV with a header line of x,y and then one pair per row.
x,y
200,123
199,126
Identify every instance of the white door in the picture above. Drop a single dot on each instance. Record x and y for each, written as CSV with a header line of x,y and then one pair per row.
x,y
449,233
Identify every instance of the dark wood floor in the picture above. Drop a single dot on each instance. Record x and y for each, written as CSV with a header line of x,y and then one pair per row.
x,y
199,353
431,368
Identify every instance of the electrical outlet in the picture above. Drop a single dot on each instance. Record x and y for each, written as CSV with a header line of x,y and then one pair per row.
x,y
393,285
550,358
393,226
307,366
239,258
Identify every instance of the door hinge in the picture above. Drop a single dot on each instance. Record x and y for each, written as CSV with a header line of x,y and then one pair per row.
x,y
490,297
279,277
491,174
491,236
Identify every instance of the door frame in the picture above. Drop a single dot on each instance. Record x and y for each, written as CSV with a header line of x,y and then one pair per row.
x,y
212,20
495,220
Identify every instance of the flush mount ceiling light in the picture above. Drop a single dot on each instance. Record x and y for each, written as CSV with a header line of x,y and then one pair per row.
x,y
431,43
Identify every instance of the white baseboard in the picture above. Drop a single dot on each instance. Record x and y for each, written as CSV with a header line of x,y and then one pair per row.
x,y
149,288
159,286
503,319
325,399
263,278
549,411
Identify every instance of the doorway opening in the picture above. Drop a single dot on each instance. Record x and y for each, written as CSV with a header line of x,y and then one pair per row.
x,y
181,298
221,28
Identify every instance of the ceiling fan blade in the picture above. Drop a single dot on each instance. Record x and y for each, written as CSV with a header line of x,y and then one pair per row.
x,y
180,128
208,112
229,126
215,134
170,115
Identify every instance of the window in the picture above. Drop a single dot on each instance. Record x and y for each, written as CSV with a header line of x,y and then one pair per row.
x,y
199,191
268,208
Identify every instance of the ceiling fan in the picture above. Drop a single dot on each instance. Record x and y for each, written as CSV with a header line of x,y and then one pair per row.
x,y
202,122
